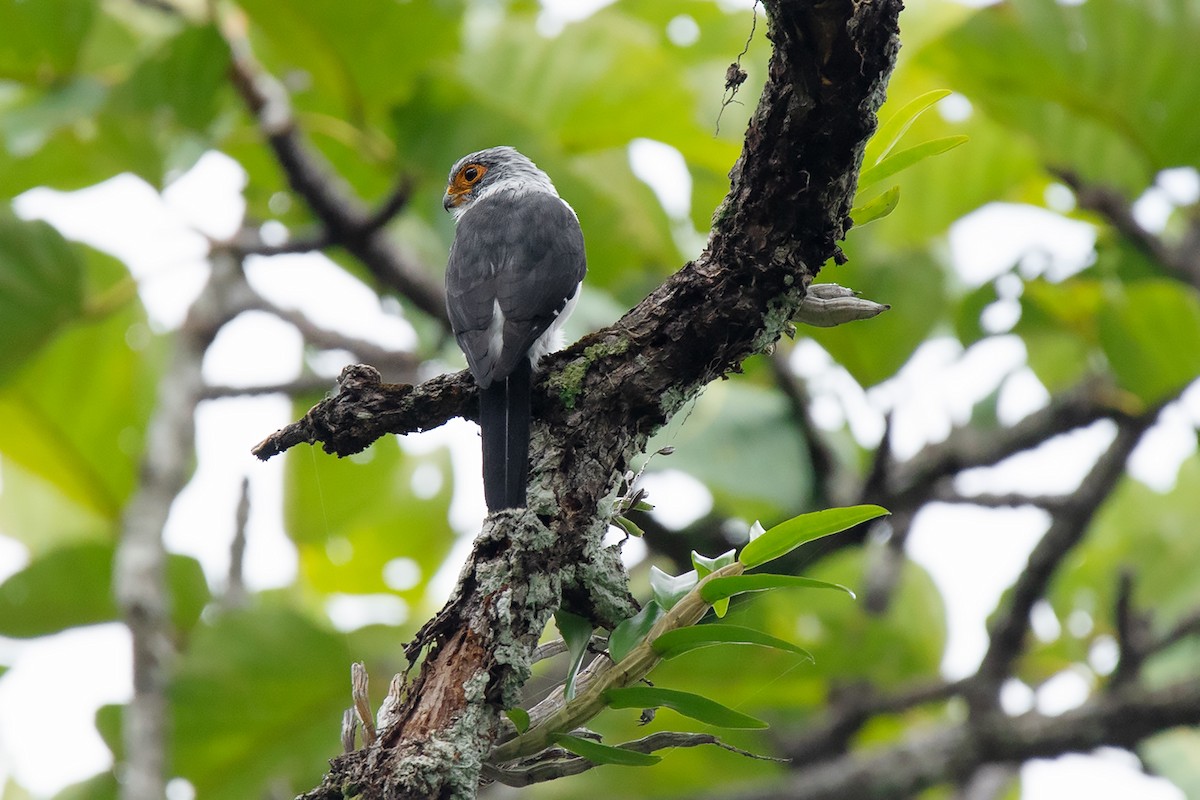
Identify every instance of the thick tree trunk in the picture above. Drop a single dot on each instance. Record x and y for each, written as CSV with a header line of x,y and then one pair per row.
x,y
791,190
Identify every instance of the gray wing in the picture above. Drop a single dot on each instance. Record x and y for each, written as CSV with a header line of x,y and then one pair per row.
x,y
522,255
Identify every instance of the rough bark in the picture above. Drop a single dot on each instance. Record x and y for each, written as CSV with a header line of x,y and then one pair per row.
x,y
791,190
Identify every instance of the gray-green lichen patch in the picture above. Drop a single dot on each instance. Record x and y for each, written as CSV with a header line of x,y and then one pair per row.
x,y
568,381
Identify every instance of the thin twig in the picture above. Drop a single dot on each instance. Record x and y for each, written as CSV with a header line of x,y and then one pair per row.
x,y
1008,627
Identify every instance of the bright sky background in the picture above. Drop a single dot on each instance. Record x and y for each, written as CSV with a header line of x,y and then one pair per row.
x,y
972,554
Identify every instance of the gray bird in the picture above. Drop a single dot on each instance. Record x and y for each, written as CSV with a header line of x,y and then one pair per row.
x,y
514,276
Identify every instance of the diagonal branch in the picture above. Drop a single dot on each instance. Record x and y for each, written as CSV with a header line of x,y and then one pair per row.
x,y
345,220
1118,719
1007,630
1183,261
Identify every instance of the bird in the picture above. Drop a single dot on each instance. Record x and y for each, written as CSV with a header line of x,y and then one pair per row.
x,y
514,275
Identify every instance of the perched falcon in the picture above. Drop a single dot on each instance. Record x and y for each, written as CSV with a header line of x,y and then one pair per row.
x,y
514,274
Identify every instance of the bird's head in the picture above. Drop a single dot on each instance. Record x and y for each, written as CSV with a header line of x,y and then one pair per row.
x,y
478,174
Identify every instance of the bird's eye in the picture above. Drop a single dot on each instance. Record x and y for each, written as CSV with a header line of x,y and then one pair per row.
x,y
473,172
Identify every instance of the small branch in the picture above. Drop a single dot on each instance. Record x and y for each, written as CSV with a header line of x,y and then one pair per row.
x,y
853,707
1185,627
404,365
819,453
364,409
306,385
1119,719
346,221
139,574
557,647
1110,204
558,763
235,584
908,482
1007,630
1053,503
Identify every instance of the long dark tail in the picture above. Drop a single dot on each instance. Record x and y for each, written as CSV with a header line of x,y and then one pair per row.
x,y
504,421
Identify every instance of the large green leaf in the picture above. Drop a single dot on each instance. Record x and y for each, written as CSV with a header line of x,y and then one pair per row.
x,y
351,517
42,40
684,640
75,414
781,539
720,588
604,753
99,787
1151,335
629,633
180,82
743,443
357,58
912,282
73,585
37,514
1104,87
257,703
686,703
576,632
41,287
1175,755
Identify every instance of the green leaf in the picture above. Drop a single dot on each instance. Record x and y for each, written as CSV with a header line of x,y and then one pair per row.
x,y
41,287
741,442
72,586
87,450
720,588
906,158
98,787
519,718
683,640
1175,755
351,517
629,526
890,131
255,703
911,281
632,631
1151,335
787,536
42,40
180,82
603,753
876,208
705,566
670,589
348,52
1104,87
577,633
686,703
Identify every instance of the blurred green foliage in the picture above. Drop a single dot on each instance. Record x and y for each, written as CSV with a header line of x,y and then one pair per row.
x,y
1105,88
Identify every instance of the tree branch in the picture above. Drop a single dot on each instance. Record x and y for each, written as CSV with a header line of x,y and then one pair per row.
x,y
1119,719
1182,262
908,482
1008,627
791,190
139,573
346,221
